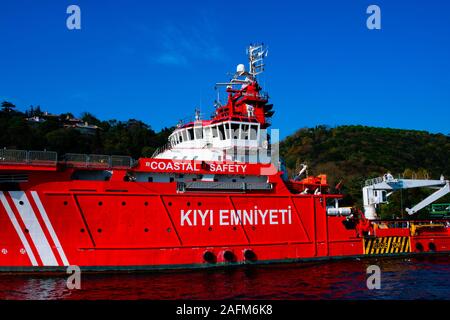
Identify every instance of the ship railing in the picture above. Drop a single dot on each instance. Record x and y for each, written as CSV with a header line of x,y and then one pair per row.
x,y
97,161
162,149
371,182
404,224
42,158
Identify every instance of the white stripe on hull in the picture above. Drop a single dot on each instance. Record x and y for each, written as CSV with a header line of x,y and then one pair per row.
x,y
19,231
32,224
49,226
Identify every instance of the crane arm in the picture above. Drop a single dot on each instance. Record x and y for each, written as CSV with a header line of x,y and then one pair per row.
x,y
379,189
432,198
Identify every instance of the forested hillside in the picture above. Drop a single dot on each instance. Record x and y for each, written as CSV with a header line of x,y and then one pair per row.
x,y
131,137
355,153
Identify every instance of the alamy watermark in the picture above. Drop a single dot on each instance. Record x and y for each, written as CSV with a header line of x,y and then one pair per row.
x,y
374,280
74,279
73,21
374,20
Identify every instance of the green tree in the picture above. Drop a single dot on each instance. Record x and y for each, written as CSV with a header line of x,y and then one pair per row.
x,y
90,118
356,153
7,106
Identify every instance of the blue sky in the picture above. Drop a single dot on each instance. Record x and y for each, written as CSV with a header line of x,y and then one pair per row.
x,y
158,60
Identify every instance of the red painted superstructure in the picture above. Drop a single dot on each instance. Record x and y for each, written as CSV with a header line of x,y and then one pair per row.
x,y
169,213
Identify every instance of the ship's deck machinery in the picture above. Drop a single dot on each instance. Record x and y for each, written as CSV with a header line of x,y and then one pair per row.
x,y
378,190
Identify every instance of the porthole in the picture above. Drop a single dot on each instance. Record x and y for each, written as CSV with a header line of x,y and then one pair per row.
x,y
249,255
21,203
99,230
100,203
432,246
228,256
208,256
419,247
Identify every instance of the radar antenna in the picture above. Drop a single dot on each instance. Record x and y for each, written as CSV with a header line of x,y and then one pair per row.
x,y
256,54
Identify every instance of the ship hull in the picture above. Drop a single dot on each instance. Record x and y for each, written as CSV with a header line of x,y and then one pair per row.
x,y
117,226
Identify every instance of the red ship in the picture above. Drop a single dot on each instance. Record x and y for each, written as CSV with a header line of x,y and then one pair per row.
x,y
215,195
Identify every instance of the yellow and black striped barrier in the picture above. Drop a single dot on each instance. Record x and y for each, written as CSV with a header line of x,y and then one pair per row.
x,y
384,245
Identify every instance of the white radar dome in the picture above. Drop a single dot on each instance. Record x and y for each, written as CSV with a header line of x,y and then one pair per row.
x,y
240,68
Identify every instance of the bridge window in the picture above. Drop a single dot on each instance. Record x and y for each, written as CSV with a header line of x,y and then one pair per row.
x,y
227,130
198,132
235,130
191,133
253,132
184,136
207,132
221,132
214,132
245,133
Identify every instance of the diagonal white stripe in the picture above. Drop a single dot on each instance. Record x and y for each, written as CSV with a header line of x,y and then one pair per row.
x,y
16,225
32,224
49,226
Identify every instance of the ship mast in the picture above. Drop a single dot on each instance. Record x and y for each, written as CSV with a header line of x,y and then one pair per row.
x,y
245,100
256,55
